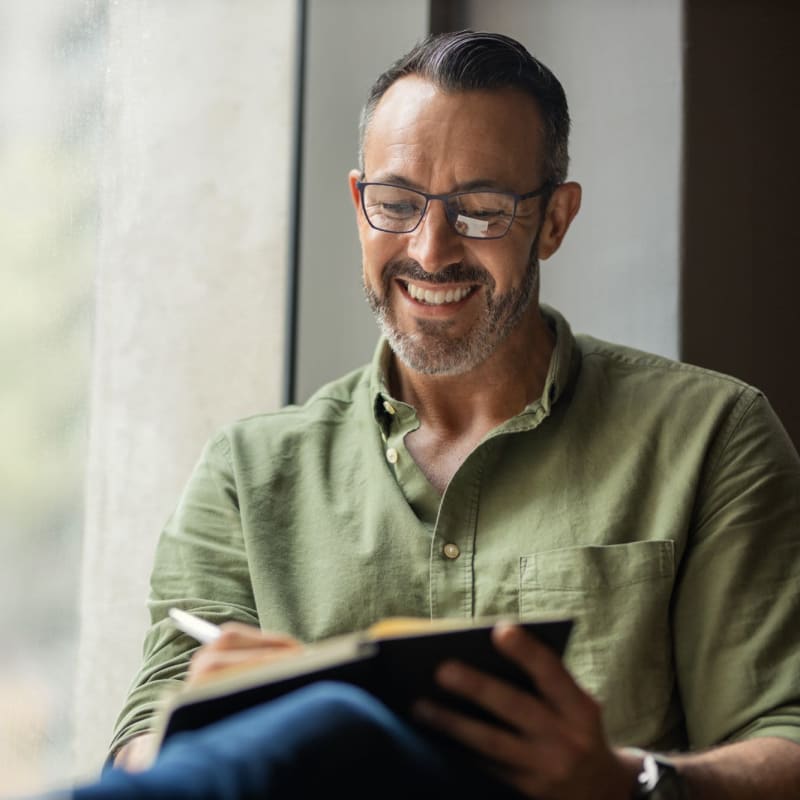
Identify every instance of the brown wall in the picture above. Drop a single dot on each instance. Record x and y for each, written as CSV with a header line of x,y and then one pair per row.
x,y
741,215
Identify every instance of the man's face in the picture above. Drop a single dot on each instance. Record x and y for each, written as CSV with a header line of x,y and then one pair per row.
x,y
446,302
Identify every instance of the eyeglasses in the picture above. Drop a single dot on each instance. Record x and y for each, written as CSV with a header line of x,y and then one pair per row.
x,y
485,214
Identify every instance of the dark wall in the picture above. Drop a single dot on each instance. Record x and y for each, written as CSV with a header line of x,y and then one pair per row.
x,y
741,215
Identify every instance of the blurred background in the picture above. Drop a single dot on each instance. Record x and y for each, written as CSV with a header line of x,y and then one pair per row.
x,y
177,250
52,67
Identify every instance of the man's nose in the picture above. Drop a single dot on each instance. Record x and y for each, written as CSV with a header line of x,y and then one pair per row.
x,y
434,245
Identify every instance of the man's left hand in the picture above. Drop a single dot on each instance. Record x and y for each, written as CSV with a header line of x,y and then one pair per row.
x,y
557,748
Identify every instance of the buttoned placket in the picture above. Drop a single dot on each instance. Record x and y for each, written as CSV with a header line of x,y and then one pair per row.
x,y
451,519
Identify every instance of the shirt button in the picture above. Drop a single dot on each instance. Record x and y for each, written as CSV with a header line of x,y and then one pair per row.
x,y
391,455
451,550
389,408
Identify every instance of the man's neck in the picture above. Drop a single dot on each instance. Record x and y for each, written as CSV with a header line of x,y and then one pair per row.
x,y
452,406
496,390
456,411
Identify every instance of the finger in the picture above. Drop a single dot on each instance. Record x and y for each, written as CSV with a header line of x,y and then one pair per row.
x,y
518,708
491,741
533,765
237,635
207,662
553,682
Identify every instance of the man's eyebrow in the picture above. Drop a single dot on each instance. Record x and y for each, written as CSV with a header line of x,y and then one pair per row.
x,y
395,180
483,183
468,186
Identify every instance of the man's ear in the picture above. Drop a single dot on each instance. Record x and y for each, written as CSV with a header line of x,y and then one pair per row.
x,y
561,210
353,177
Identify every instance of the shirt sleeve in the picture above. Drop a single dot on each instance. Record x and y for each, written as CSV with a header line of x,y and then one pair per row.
x,y
201,566
737,606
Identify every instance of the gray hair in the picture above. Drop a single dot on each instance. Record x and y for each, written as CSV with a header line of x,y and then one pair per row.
x,y
466,60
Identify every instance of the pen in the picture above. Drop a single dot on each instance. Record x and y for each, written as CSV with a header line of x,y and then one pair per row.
x,y
197,628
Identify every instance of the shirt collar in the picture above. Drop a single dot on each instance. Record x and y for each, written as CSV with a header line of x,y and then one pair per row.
x,y
563,367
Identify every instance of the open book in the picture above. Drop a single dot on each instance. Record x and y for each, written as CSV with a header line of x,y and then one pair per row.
x,y
394,659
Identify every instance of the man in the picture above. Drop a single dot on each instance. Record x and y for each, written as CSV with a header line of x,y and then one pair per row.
x,y
489,462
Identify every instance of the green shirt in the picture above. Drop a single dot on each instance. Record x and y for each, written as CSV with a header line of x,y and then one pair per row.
x,y
655,501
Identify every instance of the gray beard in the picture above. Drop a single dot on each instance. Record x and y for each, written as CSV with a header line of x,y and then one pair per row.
x,y
431,349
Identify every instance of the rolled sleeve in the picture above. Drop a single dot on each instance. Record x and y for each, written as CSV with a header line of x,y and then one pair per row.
x,y
737,638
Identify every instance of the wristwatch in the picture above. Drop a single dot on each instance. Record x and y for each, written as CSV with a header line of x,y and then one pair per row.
x,y
658,779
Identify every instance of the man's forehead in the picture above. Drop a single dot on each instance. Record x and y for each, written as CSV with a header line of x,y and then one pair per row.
x,y
412,88
416,119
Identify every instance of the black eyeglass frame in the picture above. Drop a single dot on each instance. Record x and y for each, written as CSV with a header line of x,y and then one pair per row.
x,y
445,198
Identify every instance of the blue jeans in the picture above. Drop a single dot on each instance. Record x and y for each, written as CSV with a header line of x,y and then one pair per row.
x,y
329,739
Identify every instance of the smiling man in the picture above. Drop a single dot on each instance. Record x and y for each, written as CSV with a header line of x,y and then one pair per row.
x,y
490,462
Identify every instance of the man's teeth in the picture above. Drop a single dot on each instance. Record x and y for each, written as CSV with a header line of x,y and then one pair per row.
x,y
439,297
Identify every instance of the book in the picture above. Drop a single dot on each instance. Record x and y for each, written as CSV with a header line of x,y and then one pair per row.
x,y
394,659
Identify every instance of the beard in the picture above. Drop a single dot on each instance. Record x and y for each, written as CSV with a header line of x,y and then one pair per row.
x,y
433,348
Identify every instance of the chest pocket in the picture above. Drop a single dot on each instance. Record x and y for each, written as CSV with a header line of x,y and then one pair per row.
x,y
621,649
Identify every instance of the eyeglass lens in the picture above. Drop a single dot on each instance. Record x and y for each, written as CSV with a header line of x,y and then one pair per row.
x,y
477,215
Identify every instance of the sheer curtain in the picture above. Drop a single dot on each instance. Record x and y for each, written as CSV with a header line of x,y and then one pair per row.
x,y
52,63
190,292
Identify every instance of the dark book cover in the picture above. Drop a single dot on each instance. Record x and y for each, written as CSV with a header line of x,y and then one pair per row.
x,y
397,669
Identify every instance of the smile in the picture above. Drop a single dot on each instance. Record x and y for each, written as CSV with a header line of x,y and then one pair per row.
x,y
438,297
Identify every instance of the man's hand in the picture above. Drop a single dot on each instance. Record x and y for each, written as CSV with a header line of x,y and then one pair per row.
x,y
557,749
239,646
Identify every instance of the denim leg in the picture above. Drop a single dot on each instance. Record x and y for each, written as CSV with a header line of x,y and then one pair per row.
x,y
327,739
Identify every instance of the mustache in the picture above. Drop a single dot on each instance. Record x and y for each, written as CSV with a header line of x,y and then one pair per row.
x,y
457,272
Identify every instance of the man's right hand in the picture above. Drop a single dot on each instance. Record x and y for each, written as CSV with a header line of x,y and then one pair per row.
x,y
237,647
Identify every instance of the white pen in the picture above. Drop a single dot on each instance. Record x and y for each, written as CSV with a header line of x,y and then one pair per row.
x,y
197,628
